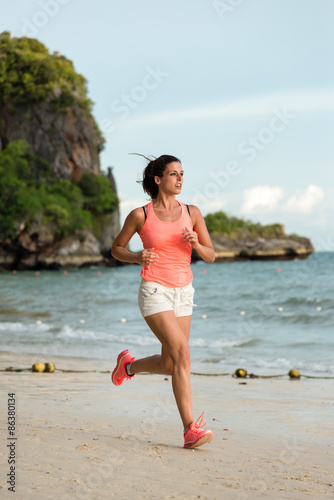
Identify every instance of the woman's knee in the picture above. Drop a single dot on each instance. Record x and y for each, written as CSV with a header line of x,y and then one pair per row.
x,y
181,356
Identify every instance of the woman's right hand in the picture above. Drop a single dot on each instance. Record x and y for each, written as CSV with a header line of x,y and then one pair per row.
x,y
147,257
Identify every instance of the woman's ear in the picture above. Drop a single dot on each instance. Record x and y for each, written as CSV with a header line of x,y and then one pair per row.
x,y
157,179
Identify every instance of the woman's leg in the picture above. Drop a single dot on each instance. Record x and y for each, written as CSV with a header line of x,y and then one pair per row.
x,y
161,363
173,334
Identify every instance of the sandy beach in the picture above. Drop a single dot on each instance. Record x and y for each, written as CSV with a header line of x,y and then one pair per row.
x,y
80,437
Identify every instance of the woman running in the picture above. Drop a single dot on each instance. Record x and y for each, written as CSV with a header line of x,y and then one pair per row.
x,y
169,230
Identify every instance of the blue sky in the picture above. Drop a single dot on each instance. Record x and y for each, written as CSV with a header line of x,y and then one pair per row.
x,y
241,90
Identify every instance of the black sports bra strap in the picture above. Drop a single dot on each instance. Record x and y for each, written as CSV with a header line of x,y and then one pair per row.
x,y
188,209
144,212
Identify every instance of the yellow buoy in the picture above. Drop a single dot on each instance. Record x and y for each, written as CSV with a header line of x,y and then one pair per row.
x,y
49,367
241,373
38,367
294,374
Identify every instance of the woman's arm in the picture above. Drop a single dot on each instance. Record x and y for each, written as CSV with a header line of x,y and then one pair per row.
x,y
133,224
199,237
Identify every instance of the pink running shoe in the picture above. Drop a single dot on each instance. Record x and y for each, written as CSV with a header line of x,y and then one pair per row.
x,y
120,374
196,436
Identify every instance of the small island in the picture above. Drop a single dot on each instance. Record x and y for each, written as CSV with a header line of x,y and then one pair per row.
x,y
237,239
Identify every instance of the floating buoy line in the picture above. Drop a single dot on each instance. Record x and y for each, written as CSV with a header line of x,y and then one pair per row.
x,y
239,373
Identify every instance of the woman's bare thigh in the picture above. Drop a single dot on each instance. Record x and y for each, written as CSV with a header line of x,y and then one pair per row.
x,y
183,322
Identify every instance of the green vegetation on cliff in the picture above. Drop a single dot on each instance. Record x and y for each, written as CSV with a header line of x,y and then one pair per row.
x,y
29,73
30,193
220,223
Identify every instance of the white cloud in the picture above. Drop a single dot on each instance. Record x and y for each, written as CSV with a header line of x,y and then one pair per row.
x,y
304,203
211,206
132,203
261,198
303,100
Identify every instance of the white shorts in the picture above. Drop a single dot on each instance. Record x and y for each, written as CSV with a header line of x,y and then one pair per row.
x,y
154,298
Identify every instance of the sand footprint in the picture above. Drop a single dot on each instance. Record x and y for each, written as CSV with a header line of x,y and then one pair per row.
x,y
83,447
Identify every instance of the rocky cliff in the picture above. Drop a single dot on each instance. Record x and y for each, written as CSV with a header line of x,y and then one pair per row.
x,y
68,140
43,101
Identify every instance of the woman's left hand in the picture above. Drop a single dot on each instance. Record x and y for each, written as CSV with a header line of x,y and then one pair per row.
x,y
191,237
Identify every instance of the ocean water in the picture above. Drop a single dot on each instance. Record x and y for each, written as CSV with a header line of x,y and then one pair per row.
x,y
266,317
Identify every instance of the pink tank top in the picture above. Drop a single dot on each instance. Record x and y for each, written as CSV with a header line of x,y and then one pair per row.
x,y
173,267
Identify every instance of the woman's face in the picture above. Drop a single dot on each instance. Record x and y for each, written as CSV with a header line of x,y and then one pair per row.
x,y
172,179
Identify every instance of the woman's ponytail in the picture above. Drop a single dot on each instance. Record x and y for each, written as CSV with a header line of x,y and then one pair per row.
x,y
155,168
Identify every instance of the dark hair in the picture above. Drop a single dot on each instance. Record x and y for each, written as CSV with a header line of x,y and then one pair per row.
x,y
154,168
